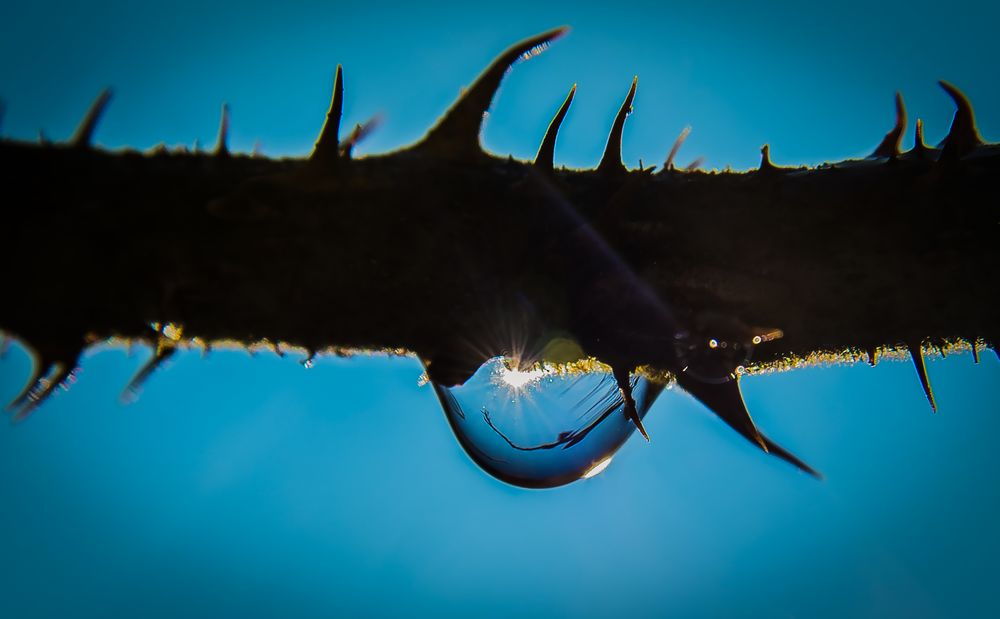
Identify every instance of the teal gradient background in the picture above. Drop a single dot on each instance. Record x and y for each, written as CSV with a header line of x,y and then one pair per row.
x,y
248,486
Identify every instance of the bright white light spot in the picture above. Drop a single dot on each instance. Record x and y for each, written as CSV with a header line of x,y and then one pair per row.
x,y
597,468
518,379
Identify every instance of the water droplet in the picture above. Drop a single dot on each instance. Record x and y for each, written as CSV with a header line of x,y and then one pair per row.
x,y
538,428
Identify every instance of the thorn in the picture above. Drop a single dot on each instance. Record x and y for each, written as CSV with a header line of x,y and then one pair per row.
x,y
669,163
611,162
624,381
39,369
60,372
327,146
222,143
765,160
872,356
694,165
726,401
51,366
917,353
359,133
546,152
777,450
889,147
457,133
975,349
963,136
161,354
85,132
919,147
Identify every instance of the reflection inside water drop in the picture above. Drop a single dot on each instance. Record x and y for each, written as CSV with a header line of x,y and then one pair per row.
x,y
538,428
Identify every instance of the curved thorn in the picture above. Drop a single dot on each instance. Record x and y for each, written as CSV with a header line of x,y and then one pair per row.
x,y
975,349
726,401
161,354
963,136
38,370
85,131
222,143
546,152
327,146
889,147
668,164
612,159
917,353
60,372
624,381
457,133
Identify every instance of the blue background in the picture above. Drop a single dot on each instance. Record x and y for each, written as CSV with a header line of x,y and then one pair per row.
x,y
248,485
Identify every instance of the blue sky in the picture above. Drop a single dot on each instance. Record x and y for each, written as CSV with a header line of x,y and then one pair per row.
x,y
249,485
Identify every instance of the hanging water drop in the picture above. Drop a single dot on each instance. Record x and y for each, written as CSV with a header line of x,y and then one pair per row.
x,y
540,428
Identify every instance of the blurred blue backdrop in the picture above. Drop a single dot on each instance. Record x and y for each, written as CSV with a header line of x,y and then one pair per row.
x,y
250,486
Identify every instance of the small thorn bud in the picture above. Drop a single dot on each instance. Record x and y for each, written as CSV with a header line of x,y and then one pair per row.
x,y
765,160
85,132
919,147
222,143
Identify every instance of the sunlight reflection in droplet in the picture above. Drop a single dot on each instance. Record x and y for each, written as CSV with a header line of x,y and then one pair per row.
x,y
598,468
